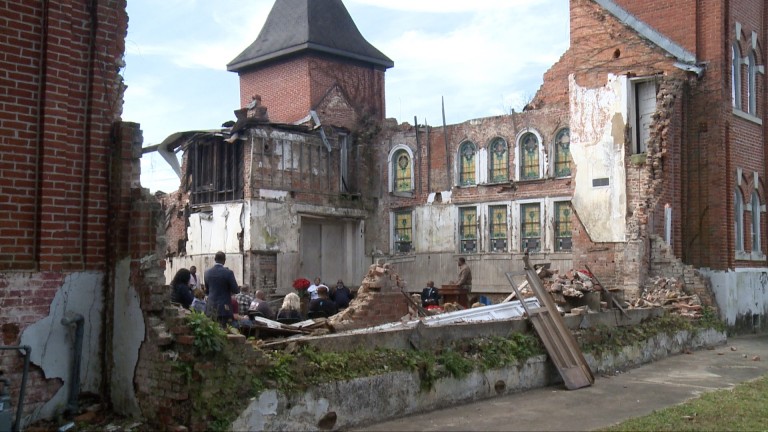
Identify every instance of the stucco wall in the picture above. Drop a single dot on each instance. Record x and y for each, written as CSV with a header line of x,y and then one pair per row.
x,y
598,119
742,297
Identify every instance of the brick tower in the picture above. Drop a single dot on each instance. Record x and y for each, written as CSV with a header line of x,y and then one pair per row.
x,y
311,56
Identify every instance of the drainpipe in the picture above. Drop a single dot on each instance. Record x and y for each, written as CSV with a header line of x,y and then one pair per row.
x,y
20,408
74,383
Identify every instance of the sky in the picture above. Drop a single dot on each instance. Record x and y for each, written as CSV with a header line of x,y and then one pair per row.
x,y
484,57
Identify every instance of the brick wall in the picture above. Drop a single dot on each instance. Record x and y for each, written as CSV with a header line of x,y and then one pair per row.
x,y
291,87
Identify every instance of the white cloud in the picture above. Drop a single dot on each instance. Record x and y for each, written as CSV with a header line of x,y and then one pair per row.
x,y
448,6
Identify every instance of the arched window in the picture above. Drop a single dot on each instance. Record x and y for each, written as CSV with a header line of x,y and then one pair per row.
x,y
499,162
529,156
563,153
400,167
751,84
756,246
467,152
738,217
402,171
736,75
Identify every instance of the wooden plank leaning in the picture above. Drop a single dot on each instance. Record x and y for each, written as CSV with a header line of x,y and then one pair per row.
x,y
557,338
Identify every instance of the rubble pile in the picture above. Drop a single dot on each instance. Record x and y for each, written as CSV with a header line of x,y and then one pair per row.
x,y
669,293
573,284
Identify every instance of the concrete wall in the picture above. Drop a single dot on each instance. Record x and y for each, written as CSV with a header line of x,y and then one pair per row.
x,y
342,405
742,297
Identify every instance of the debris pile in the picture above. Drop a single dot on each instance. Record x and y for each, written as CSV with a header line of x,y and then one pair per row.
x,y
669,293
571,285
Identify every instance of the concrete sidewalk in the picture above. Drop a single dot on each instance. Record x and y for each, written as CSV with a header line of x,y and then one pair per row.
x,y
610,400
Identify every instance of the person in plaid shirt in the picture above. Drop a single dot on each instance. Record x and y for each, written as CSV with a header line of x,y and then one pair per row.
x,y
244,299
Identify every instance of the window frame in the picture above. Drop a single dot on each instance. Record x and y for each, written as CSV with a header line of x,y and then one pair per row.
x,y
392,164
755,223
216,168
556,152
738,210
524,239
467,239
397,240
519,154
751,61
472,175
556,224
502,175
736,75
493,239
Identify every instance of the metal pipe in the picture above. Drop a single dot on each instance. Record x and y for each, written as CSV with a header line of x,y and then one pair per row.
x,y
19,409
74,384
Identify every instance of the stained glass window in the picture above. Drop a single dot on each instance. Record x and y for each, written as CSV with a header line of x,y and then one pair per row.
x,y
402,167
403,232
563,153
499,161
498,226
529,157
530,227
468,229
467,164
563,240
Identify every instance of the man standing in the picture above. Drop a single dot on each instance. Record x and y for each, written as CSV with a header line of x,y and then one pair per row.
x,y
194,282
465,275
221,284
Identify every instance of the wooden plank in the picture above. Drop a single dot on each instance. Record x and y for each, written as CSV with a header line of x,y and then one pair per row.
x,y
611,298
556,336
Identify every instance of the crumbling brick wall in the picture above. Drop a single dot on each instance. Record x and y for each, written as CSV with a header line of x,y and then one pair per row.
x,y
62,95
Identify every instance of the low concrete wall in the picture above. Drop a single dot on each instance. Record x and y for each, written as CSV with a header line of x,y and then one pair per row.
x,y
362,401
423,337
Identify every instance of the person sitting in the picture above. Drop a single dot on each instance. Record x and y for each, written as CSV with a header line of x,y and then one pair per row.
x,y
430,296
181,292
290,311
341,295
312,290
198,304
244,298
322,305
260,305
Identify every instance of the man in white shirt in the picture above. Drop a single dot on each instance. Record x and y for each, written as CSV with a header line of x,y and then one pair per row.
x,y
312,290
194,282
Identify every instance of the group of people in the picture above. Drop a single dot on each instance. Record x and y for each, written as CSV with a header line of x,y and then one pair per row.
x,y
222,298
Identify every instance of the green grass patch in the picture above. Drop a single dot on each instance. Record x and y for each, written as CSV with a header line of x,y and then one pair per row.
x,y
744,408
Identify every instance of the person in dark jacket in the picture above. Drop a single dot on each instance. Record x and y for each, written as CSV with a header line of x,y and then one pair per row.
x,y
181,292
429,295
221,284
341,295
322,304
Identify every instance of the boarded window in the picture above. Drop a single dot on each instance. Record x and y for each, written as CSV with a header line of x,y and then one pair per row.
x,y
215,171
499,161
467,164
529,157
530,227
468,230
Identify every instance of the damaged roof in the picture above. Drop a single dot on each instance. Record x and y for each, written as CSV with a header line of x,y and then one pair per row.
x,y
294,26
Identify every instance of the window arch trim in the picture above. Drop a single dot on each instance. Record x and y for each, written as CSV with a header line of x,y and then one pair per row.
x,y
391,164
519,155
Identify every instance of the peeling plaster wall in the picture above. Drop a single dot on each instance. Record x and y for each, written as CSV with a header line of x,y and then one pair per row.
x,y
433,228
127,336
53,343
598,119
742,297
216,231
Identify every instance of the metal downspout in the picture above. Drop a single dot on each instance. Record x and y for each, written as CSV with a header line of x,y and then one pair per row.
x,y
74,379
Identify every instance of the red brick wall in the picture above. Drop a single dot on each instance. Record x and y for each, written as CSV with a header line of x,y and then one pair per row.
x,y
674,19
291,87
54,156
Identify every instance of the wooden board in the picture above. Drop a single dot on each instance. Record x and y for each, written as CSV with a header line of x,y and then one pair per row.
x,y
556,336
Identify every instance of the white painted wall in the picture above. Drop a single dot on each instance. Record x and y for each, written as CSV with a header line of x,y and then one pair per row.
x,y
52,344
598,119
128,334
740,294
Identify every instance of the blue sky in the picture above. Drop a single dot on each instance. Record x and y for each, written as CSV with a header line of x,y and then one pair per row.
x,y
485,57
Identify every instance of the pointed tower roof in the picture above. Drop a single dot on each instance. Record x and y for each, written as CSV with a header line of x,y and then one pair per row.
x,y
309,25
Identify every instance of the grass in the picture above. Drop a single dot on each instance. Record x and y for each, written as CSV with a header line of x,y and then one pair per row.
x,y
743,408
